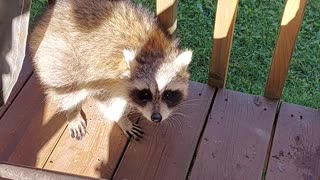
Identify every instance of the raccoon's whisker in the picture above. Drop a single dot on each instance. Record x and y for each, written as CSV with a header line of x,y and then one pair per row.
x,y
179,107
192,100
167,123
184,104
175,120
184,116
187,103
178,113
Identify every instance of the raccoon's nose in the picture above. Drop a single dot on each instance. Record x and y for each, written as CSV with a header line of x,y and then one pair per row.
x,y
156,117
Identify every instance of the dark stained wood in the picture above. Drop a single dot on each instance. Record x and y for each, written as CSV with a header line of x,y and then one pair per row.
x,y
222,41
96,155
167,148
290,25
30,129
235,141
295,151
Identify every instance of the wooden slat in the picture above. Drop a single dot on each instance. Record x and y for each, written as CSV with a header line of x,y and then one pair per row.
x,y
290,25
96,155
295,151
235,141
167,14
223,33
167,149
30,129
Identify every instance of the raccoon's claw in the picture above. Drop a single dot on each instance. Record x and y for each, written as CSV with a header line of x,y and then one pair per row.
x,y
131,129
136,132
77,128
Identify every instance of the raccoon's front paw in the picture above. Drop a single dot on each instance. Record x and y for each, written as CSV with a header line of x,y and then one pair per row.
x,y
77,128
131,129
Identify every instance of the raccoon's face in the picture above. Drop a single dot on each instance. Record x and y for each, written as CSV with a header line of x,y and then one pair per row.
x,y
159,88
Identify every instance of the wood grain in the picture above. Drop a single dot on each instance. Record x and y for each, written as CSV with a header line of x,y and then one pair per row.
x,y
222,41
290,25
235,141
295,151
167,148
167,14
97,155
30,129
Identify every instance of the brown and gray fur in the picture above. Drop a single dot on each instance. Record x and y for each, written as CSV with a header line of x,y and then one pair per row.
x,y
113,51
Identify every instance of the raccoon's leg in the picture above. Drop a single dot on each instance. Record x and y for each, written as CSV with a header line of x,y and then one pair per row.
x,y
76,123
70,104
115,109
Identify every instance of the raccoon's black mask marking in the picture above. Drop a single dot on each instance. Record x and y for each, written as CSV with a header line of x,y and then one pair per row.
x,y
141,97
172,98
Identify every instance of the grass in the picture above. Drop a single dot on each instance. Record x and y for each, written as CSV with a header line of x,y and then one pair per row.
x,y
255,35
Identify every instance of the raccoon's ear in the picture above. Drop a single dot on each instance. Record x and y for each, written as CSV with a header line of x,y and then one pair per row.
x,y
184,58
129,56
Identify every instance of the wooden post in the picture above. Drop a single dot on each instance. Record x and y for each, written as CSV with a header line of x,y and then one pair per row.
x,y
14,23
290,25
13,171
167,14
222,41
51,2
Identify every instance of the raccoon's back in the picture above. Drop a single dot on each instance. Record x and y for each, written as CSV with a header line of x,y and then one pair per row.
x,y
77,41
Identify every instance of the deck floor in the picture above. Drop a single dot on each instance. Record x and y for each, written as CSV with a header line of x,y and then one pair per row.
x,y
223,134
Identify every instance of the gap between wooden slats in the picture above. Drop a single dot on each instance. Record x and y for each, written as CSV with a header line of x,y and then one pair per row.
x,y
236,138
295,151
30,129
97,154
167,149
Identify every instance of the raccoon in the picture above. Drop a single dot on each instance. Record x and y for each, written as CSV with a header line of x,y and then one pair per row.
x,y
114,52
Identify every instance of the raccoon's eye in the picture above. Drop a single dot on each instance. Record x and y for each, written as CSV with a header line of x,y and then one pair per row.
x,y
141,97
172,98
144,95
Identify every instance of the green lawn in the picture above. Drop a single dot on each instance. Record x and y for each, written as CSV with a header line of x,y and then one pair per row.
x,y
255,35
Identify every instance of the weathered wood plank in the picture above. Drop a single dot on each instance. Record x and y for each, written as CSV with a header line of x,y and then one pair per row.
x,y
96,155
235,141
167,14
30,129
290,25
295,151
222,41
167,149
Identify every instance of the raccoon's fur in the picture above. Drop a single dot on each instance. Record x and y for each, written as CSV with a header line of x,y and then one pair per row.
x,y
113,51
